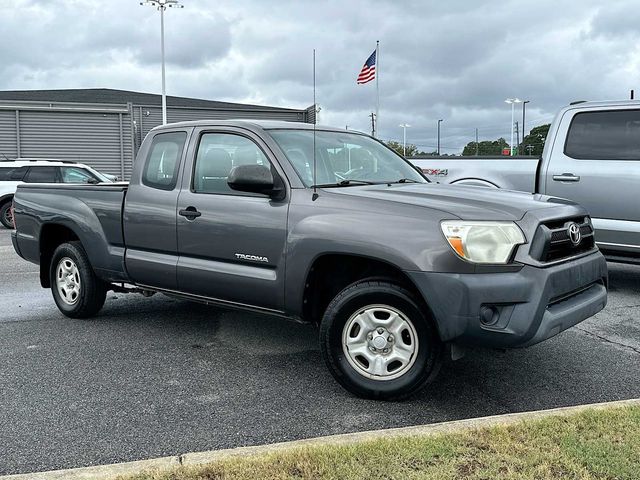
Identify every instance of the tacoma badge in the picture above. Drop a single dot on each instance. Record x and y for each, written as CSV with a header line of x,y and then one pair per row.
x,y
254,258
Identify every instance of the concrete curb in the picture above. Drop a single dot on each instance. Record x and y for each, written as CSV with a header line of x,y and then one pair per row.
x,y
108,472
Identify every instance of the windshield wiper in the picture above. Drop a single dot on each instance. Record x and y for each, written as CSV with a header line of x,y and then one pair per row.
x,y
347,183
406,180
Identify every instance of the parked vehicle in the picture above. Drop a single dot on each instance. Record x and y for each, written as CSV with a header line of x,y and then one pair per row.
x,y
27,170
591,156
321,226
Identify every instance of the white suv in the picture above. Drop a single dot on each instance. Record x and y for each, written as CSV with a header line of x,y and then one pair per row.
x,y
38,170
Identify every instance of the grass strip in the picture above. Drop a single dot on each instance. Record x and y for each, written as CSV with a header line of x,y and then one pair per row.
x,y
595,444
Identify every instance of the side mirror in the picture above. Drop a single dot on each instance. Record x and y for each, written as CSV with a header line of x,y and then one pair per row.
x,y
255,179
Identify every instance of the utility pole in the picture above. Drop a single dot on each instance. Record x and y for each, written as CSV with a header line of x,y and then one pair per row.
x,y
162,5
512,102
373,123
439,136
517,139
477,146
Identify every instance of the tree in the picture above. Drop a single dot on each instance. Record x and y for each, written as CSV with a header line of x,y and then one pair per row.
x,y
412,150
485,147
533,144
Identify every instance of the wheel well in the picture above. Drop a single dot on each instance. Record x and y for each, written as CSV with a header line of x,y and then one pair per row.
x,y
331,273
51,236
6,199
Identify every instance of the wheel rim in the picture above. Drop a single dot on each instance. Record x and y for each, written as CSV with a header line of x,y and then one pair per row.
x,y
68,281
380,342
8,216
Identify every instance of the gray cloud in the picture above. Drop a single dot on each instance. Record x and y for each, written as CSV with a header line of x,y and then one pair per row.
x,y
455,60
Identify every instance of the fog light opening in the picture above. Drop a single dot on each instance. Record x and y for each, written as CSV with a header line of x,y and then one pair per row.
x,y
489,315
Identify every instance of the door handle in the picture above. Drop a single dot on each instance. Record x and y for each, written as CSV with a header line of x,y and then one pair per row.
x,y
191,213
566,177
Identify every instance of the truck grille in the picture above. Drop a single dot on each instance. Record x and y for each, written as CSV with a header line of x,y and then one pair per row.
x,y
562,239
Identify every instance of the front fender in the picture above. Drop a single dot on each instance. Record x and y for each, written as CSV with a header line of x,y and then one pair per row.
x,y
409,243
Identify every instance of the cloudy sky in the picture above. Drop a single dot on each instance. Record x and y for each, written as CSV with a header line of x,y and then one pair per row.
x,y
456,60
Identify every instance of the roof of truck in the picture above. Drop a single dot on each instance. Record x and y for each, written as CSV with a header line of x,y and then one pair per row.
x,y
249,123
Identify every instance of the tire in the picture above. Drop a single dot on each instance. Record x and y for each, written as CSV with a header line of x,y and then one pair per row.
x,y
76,289
356,321
6,216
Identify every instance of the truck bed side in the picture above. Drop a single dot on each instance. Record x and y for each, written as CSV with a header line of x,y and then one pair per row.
x,y
47,215
511,173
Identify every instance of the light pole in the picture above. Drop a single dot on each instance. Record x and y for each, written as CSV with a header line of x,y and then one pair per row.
x,y
162,5
439,136
524,108
404,127
513,102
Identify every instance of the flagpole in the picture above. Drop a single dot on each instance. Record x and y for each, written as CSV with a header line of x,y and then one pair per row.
x,y
375,134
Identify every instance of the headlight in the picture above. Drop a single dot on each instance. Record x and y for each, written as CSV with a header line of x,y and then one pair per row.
x,y
483,242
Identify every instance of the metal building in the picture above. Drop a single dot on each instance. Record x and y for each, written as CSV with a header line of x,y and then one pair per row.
x,y
103,127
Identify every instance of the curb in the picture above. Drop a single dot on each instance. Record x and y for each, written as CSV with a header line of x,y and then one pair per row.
x,y
108,472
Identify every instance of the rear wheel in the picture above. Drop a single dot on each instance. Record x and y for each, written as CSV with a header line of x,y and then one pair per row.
x,y
6,215
76,289
378,342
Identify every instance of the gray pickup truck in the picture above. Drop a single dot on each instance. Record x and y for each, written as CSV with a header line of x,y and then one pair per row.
x,y
591,156
323,226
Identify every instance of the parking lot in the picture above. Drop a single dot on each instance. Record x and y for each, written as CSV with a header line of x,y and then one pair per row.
x,y
158,376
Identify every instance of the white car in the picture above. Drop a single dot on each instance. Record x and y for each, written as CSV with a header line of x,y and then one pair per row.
x,y
39,170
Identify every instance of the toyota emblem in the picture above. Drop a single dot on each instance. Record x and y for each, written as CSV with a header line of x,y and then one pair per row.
x,y
574,233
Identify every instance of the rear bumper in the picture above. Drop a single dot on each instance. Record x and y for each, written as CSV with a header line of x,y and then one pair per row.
x,y
14,240
514,309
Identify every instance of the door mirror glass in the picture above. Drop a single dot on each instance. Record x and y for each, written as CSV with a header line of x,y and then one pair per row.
x,y
253,178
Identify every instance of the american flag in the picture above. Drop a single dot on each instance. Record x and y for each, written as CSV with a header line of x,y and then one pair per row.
x,y
368,71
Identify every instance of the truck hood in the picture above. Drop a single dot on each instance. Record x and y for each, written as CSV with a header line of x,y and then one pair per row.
x,y
467,203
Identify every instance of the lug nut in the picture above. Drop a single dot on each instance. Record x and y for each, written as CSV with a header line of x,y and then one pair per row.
x,y
370,336
390,338
373,349
386,350
380,330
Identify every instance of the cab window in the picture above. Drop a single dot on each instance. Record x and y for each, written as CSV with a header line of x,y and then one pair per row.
x,y
163,160
218,154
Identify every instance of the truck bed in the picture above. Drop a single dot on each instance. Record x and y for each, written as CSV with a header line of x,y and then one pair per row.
x,y
512,173
93,213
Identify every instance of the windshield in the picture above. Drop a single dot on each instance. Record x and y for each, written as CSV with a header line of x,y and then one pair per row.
x,y
343,158
100,176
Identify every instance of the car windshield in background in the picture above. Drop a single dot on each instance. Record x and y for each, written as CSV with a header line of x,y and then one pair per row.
x,y
343,159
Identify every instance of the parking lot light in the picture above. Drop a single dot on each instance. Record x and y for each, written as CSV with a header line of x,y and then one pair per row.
x,y
162,5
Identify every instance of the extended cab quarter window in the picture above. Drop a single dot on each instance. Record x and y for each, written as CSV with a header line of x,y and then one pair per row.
x,y
163,160
41,175
217,154
608,135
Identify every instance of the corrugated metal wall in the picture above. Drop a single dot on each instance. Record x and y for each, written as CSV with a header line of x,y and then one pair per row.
x,y
8,134
96,139
107,137
148,117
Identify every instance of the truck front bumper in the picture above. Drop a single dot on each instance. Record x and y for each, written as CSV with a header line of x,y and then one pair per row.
x,y
514,309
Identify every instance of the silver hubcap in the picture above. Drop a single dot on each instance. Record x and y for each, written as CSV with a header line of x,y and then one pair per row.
x,y
380,342
68,281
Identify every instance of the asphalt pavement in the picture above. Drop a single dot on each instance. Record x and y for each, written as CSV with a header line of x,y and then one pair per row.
x,y
155,376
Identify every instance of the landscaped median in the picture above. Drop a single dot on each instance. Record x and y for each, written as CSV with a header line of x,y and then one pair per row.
x,y
601,443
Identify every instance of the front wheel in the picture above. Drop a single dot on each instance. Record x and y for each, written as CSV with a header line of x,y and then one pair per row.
x,y
378,342
6,215
76,289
